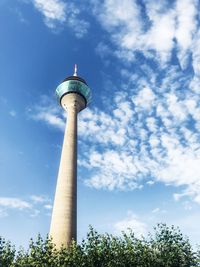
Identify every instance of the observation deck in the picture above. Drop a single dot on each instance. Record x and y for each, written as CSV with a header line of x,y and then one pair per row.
x,y
74,84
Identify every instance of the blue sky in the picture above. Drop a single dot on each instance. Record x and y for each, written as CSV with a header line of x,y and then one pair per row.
x,y
139,140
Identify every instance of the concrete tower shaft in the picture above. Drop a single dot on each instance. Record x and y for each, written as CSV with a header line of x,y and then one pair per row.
x,y
64,216
73,95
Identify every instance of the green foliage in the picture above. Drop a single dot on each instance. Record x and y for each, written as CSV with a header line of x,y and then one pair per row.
x,y
166,247
7,253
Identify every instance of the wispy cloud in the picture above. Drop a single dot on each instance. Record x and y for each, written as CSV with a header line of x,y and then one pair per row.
x,y
155,210
3,213
158,210
13,113
151,127
64,13
35,213
39,199
53,10
185,28
155,30
14,203
47,111
146,133
48,207
150,182
131,222
32,206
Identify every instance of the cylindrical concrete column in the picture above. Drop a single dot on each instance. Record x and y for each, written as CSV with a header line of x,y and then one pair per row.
x,y
64,216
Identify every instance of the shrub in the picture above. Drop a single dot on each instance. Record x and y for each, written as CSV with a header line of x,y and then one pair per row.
x,y
166,247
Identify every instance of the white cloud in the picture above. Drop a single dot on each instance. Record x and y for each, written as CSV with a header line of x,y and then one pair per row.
x,y
186,27
145,99
50,119
53,10
145,136
161,146
161,33
33,207
187,205
152,128
14,203
48,111
131,222
155,210
13,113
178,196
196,55
121,13
103,50
150,182
162,28
117,171
78,25
35,213
48,207
62,12
3,213
39,199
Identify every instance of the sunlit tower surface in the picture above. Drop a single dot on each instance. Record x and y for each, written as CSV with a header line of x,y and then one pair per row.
x,y
73,95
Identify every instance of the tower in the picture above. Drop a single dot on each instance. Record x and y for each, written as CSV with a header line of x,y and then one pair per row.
x,y
73,95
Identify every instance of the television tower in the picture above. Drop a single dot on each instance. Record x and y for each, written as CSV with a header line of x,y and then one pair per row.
x,y
74,95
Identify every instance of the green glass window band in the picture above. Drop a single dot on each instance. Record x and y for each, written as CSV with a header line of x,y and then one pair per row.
x,y
74,86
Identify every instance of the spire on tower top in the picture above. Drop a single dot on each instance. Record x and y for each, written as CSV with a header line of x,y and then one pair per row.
x,y
75,70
